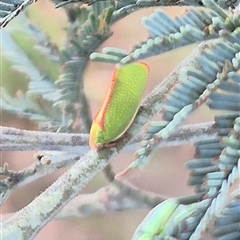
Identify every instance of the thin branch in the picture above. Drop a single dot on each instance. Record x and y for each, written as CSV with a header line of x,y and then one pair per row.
x,y
192,3
105,200
18,8
108,199
65,2
191,133
48,163
144,4
127,190
13,139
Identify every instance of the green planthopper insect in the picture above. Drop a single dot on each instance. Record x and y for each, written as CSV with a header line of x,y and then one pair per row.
x,y
168,219
155,222
120,104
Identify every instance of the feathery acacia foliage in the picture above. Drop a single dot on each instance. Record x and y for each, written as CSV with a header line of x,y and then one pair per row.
x,y
57,102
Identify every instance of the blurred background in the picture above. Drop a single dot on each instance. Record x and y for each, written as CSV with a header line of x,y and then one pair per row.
x,y
165,174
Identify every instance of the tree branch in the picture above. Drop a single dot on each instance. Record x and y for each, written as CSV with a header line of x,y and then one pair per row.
x,y
48,163
13,139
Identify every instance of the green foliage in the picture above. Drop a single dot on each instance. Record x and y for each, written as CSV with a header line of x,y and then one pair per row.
x,y
9,73
38,59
